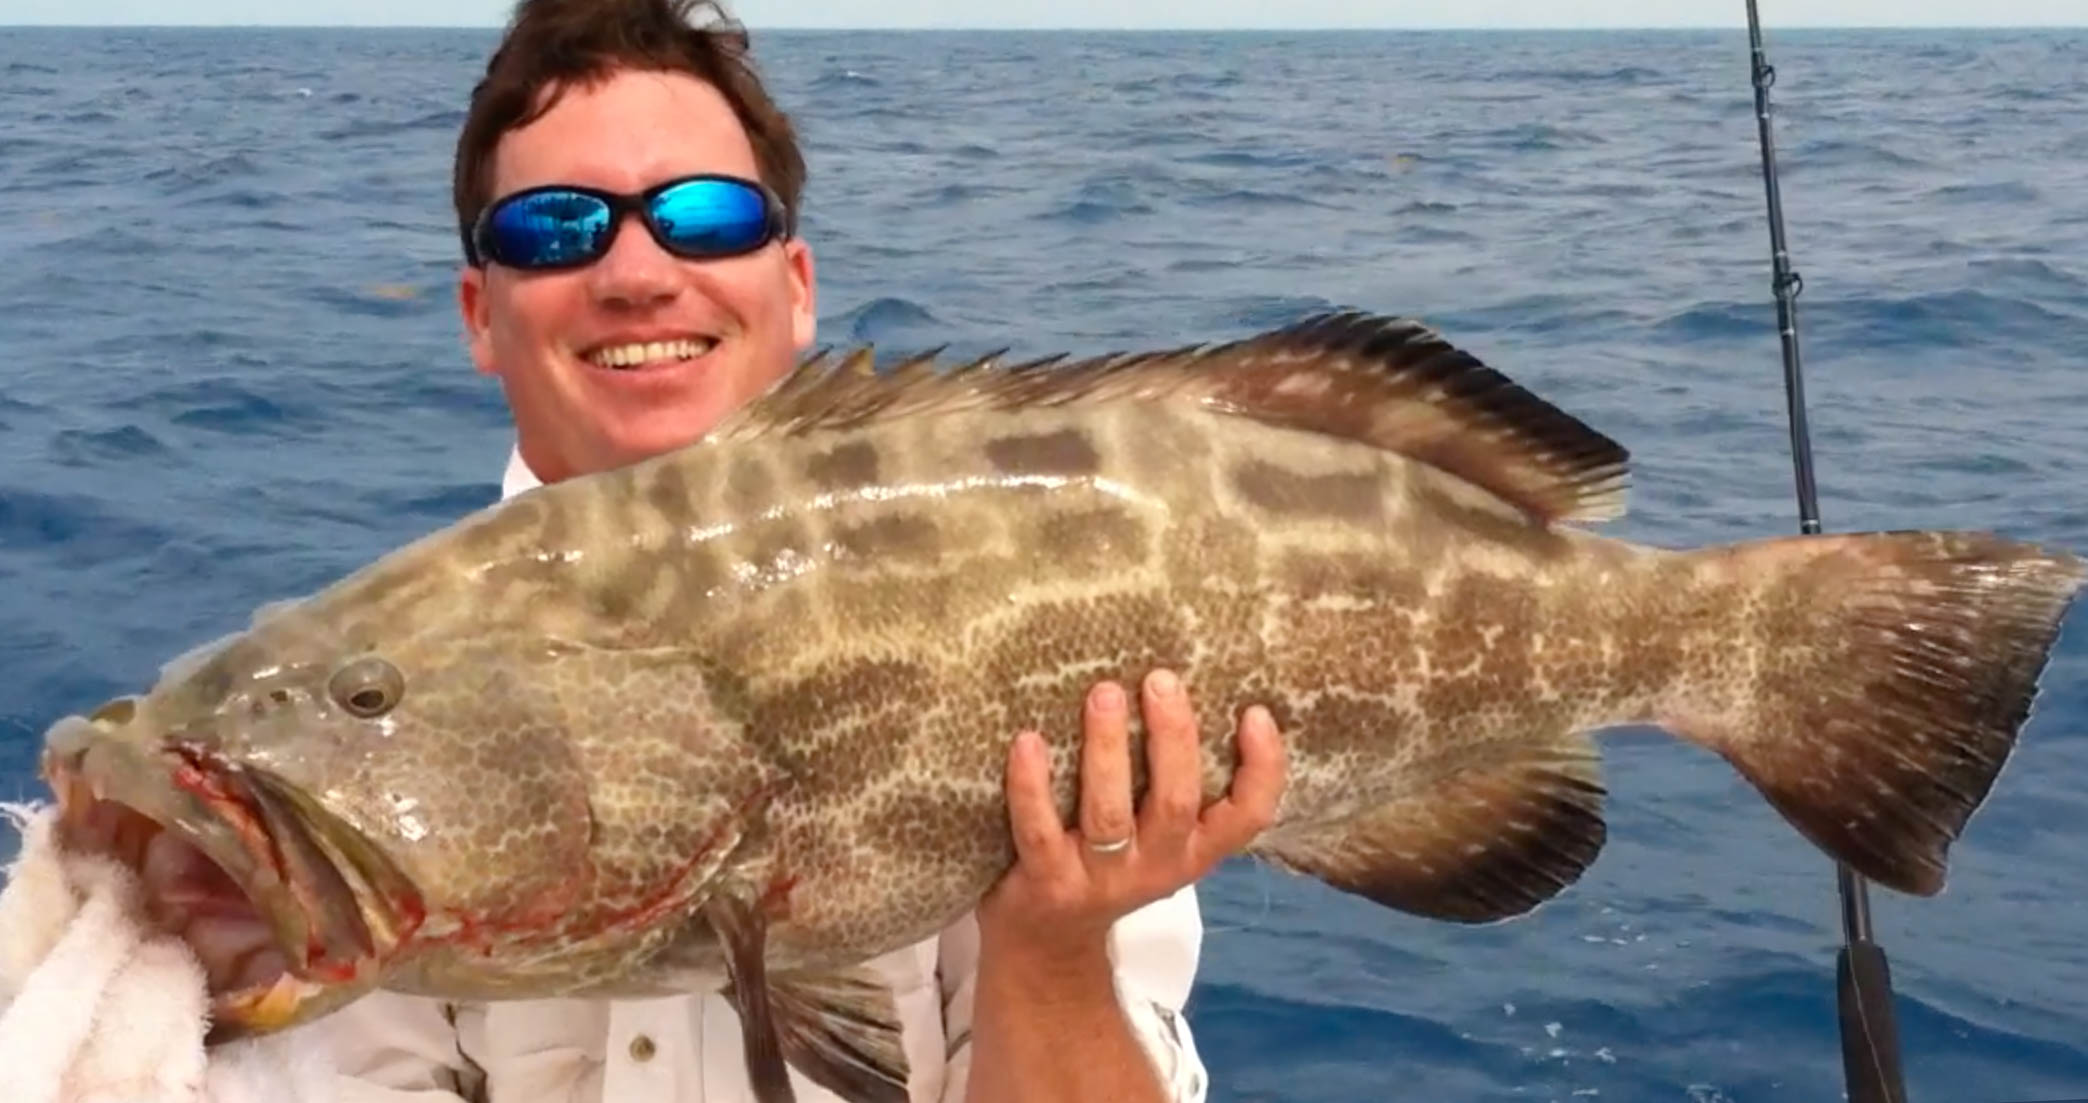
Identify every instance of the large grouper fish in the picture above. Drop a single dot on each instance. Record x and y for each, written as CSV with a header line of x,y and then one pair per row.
x,y
736,718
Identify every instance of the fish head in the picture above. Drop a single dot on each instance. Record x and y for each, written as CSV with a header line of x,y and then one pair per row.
x,y
364,788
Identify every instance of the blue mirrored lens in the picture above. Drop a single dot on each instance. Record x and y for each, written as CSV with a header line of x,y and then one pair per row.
x,y
711,217
548,228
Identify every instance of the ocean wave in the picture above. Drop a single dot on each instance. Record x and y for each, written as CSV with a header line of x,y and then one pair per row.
x,y
384,300
886,319
1436,235
1094,212
1271,311
1622,74
1252,159
1719,321
1871,155
2007,191
90,447
1934,321
1251,198
1538,313
1540,137
208,172
220,405
86,526
964,191
438,505
444,121
849,79
2022,276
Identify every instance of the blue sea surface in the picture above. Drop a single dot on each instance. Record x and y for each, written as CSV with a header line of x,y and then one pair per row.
x,y
233,371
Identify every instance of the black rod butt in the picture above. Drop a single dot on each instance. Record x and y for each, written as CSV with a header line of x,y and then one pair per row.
x,y
1870,1036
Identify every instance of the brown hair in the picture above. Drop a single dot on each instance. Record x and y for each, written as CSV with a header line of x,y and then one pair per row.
x,y
553,44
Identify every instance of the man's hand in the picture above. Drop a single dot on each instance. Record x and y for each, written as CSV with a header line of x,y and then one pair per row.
x,y
1049,1026
1069,886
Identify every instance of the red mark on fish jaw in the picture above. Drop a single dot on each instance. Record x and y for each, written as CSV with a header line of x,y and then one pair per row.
x,y
336,972
211,782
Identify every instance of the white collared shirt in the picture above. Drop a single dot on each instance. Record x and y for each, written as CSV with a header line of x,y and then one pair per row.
x,y
686,1049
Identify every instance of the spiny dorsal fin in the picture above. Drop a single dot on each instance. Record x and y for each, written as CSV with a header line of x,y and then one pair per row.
x,y
1392,383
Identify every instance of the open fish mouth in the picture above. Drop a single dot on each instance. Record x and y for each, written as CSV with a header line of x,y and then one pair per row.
x,y
285,910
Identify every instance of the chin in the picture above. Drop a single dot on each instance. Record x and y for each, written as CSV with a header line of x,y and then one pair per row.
x,y
642,443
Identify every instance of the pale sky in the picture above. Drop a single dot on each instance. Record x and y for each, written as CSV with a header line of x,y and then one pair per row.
x,y
1108,13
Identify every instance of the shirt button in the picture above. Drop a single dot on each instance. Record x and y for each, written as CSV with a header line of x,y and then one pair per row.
x,y
642,1048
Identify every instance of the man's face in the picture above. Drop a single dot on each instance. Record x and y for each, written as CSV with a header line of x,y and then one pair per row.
x,y
539,332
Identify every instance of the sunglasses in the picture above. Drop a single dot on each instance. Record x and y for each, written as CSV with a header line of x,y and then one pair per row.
x,y
703,217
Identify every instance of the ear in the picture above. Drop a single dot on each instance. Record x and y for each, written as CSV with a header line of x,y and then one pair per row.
x,y
477,316
804,292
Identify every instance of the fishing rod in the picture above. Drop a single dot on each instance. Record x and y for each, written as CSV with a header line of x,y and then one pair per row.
x,y
1869,1035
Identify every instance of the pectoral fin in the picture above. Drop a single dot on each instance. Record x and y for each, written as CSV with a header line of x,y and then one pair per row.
x,y
841,1030
744,934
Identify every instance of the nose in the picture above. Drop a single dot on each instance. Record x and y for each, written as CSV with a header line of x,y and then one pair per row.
x,y
635,272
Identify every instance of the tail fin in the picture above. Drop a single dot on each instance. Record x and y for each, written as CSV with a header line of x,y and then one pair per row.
x,y
1895,673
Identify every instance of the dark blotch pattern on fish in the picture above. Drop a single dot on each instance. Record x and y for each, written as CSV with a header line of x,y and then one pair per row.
x,y
1085,541
1063,452
1348,497
851,465
875,544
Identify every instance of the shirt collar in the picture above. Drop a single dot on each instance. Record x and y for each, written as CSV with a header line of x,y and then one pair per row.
x,y
518,476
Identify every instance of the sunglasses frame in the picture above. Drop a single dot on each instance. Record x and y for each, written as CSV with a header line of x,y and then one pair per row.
x,y
779,223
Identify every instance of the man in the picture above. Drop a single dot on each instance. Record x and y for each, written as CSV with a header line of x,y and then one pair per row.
x,y
613,357
615,337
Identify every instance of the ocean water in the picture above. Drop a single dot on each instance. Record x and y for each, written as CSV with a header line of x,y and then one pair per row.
x,y
232,372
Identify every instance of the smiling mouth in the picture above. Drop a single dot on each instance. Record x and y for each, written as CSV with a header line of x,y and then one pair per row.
x,y
645,354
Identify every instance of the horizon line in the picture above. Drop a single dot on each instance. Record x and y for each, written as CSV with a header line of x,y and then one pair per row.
x,y
952,28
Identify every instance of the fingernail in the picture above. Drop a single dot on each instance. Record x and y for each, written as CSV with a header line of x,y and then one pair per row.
x,y
1259,719
1108,696
1164,683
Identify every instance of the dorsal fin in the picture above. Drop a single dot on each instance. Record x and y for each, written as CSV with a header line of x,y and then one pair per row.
x,y
1393,383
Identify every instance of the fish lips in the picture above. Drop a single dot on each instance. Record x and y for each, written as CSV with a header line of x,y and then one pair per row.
x,y
336,908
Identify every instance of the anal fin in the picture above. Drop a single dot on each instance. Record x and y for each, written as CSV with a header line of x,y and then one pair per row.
x,y
1487,843
841,1030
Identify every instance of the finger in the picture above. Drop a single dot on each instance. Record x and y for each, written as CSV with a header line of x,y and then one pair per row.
x,y
1041,843
1105,768
1256,792
1174,796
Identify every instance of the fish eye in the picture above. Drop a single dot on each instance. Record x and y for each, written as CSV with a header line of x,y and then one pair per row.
x,y
367,686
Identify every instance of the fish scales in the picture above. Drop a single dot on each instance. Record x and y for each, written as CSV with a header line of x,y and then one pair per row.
x,y
737,716
898,598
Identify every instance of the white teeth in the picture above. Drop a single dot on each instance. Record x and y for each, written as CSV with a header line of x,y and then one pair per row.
x,y
632,355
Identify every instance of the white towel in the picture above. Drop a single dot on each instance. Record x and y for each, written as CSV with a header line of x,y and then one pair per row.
x,y
97,1007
